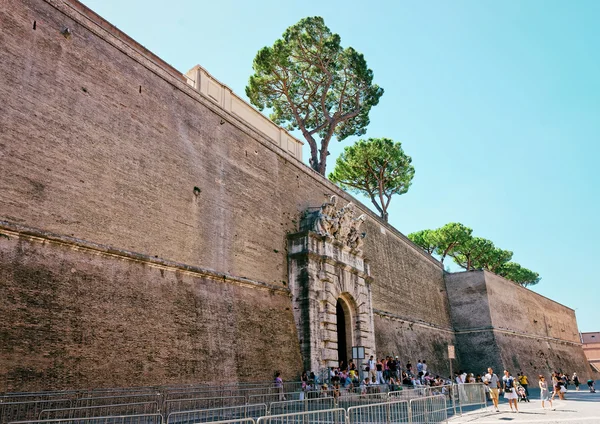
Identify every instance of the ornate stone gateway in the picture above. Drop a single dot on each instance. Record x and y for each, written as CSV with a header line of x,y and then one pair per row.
x,y
330,285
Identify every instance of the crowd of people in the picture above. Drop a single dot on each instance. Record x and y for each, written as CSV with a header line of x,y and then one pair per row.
x,y
516,389
389,374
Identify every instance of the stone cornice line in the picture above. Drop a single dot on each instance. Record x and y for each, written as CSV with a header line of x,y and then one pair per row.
x,y
15,230
73,13
412,321
514,333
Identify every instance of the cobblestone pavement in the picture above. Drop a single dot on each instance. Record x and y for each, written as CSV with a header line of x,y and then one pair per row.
x,y
578,407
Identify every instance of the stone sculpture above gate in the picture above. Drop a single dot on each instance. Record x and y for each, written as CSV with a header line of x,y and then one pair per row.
x,y
326,266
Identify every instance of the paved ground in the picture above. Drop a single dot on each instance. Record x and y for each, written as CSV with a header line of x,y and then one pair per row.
x,y
578,407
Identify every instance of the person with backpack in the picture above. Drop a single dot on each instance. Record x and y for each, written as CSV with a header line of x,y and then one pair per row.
x,y
508,384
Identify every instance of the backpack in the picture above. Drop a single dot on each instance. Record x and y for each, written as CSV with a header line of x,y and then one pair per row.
x,y
509,383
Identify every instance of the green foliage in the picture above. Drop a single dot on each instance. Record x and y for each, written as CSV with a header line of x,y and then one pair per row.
x,y
311,83
469,254
426,239
472,253
449,237
377,167
494,259
520,275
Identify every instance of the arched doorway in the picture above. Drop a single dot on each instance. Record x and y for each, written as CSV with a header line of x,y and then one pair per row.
x,y
344,331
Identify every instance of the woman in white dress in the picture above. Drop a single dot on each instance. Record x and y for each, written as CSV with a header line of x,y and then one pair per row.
x,y
508,384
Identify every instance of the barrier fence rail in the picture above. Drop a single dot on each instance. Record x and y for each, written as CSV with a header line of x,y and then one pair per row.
x,y
141,408
305,405
29,410
122,419
429,409
471,395
426,405
203,403
218,414
114,400
352,399
396,411
330,416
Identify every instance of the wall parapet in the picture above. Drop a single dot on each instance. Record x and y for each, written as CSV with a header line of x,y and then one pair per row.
x,y
222,95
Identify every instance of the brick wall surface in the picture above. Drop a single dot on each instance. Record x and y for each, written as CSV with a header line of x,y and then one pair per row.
x,y
412,341
503,325
75,318
86,154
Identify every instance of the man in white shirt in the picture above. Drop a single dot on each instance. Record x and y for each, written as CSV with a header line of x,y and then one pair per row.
x,y
492,381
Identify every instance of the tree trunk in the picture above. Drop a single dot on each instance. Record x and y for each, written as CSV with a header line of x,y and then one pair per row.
x,y
384,216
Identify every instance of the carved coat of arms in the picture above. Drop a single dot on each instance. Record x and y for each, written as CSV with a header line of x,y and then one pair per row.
x,y
340,224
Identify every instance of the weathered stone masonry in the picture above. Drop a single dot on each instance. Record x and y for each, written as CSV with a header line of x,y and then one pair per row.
x,y
103,144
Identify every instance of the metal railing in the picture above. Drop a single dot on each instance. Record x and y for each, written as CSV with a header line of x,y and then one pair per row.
x,y
385,413
123,419
29,410
175,405
141,408
472,394
348,400
117,399
407,394
306,405
218,414
330,416
429,409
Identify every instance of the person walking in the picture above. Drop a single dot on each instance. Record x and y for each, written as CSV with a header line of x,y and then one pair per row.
x,y
492,382
508,384
576,381
278,383
544,393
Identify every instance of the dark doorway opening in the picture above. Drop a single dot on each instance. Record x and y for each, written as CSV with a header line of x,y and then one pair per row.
x,y
341,334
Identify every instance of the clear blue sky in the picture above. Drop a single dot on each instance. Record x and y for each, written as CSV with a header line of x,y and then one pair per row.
x,y
498,103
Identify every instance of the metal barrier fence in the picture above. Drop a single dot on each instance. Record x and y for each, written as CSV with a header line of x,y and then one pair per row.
x,y
273,397
429,409
408,394
36,396
123,419
306,405
331,416
203,403
142,408
450,392
218,414
348,400
141,402
241,421
28,410
115,400
472,394
385,413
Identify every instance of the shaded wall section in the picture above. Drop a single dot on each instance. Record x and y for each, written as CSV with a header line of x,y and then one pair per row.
x,y
74,315
413,341
503,325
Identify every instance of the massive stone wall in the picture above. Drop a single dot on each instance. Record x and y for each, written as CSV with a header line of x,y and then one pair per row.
x,y
504,325
77,315
101,141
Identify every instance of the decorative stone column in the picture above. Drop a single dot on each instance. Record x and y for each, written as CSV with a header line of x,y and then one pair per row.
x,y
325,263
